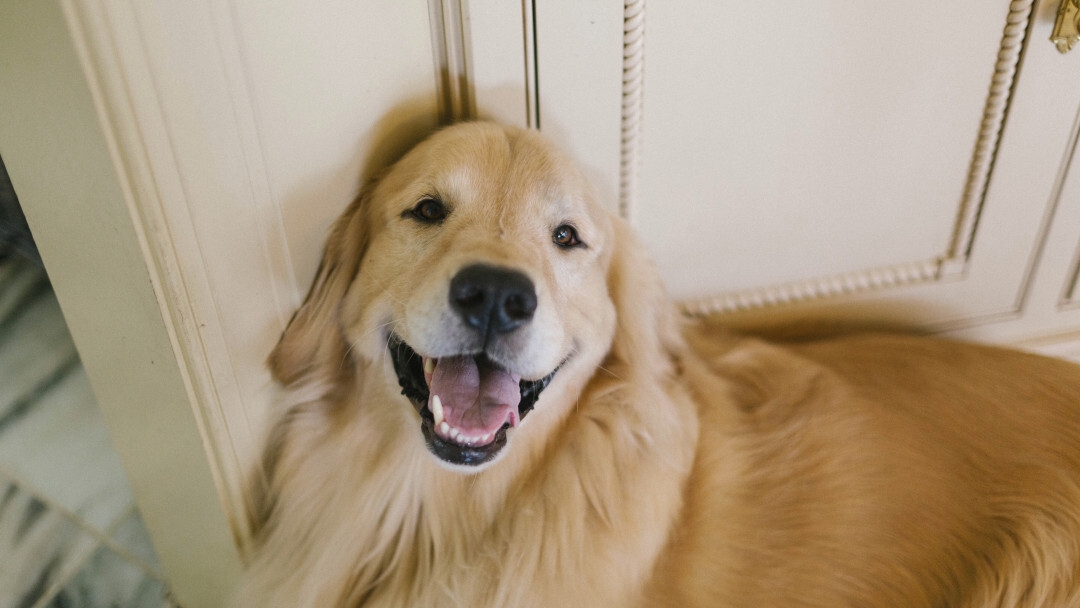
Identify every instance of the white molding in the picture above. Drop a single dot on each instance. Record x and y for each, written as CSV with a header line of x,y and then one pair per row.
x,y
82,190
500,60
1070,291
271,225
117,66
1063,346
91,24
1065,299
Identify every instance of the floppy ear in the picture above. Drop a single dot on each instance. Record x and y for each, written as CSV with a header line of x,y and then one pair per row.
x,y
312,346
647,334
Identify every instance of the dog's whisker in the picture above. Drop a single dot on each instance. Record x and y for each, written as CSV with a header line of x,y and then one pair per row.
x,y
354,343
609,372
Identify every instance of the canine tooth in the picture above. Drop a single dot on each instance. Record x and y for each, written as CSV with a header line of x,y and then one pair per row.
x,y
436,409
444,428
429,366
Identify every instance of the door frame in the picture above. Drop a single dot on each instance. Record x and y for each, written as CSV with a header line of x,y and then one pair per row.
x,y
61,144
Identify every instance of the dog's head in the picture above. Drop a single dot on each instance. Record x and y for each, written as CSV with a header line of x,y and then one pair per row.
x,y
480,269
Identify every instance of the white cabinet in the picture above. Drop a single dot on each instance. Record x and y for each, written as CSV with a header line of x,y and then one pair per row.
x,y
900,163
831,160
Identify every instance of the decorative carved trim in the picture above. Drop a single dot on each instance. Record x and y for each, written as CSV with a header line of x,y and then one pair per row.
x,y
632,88
814,289
954,260
994,114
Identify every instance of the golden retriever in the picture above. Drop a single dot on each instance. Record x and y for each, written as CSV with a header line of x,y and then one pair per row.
x,y
490,402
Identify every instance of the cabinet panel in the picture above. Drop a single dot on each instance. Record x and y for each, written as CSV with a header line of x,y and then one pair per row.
x,y
831,160
816,140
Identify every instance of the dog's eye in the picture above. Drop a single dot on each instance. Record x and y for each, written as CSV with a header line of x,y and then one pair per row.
x,y
566,236
430,210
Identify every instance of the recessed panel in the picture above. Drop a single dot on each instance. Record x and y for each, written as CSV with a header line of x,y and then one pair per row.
x,y
809,140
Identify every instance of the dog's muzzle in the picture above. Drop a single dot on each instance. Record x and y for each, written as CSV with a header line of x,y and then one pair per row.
x,y
468,402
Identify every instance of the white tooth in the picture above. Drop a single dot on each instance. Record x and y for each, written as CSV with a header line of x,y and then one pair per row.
x,y
444,428
436,409
429,366
455,434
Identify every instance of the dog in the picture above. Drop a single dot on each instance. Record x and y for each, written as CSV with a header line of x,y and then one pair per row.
x,y
489,401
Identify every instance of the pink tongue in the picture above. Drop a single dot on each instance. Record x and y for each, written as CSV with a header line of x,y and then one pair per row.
x,y
477,399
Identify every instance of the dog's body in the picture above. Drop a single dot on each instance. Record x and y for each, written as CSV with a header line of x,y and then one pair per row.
x,y
663,464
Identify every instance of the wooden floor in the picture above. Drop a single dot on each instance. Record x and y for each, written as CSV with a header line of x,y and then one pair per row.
x,y
70,534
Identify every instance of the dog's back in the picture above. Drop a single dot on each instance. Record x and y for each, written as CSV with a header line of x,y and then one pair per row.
x,y
879,471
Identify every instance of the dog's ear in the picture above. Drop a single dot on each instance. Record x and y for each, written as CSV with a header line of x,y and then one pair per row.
x,y
647,332
312,346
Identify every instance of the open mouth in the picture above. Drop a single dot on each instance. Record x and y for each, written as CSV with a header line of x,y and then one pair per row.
x,y
466,402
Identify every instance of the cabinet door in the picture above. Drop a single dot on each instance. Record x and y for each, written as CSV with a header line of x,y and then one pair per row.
x,y
899,163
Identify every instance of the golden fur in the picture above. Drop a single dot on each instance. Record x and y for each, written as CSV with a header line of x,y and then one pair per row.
x,y
669,463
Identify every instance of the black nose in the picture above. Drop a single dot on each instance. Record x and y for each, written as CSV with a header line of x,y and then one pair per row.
x,y
492,299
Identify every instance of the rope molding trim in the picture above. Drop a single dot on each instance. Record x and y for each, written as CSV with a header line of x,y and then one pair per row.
x,y
633,78
814,289
994,114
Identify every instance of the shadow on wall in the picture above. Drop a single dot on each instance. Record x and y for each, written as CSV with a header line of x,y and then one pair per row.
x,y
380,146
397,132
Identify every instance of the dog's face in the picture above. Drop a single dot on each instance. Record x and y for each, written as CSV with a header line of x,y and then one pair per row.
x,y
482,278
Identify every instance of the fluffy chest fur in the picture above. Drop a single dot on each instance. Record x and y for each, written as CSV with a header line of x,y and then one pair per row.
x,y
384,525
